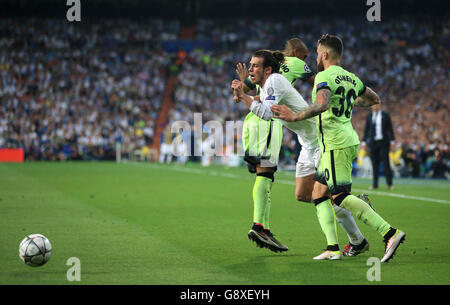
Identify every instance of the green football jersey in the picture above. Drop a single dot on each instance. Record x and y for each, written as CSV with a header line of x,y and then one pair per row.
x,y
292,69
334,126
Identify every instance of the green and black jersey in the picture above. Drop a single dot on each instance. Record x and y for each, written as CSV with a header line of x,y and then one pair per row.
x,y
334,127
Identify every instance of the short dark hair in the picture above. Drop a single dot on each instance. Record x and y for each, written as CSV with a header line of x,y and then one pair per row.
x,y
272,59
333,42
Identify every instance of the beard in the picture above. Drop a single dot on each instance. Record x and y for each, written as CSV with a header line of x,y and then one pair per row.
x,y
257,79
320,66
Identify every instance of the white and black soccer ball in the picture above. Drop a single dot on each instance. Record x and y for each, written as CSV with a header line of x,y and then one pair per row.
x,y
35,250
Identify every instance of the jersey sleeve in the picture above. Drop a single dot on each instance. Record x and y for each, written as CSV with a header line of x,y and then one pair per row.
x,y
276,88
249,83
360,87
302,71
275,92
296,69
307,73
323,81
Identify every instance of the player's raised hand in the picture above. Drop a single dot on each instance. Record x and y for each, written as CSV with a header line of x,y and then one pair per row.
x,y
241,71
238,90
283,112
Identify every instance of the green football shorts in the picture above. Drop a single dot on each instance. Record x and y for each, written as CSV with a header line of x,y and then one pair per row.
x,y
261,140
335,169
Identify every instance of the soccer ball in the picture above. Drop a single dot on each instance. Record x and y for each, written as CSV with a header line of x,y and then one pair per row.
x,y
35,250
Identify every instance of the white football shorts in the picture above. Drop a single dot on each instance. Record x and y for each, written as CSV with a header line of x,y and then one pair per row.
x,y
307,162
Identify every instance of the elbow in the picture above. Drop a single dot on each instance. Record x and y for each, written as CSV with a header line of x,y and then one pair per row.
x,y
377,100
266,116
262,112
324,107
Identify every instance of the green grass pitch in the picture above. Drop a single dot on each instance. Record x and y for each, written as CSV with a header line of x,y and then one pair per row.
x,y
145,223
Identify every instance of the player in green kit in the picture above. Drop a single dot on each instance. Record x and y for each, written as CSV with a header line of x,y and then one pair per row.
x,y
335,93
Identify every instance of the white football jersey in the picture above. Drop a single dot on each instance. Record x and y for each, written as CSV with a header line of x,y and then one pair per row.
x,y
278,90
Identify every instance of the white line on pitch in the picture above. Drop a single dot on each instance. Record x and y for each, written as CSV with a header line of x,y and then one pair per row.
x,y
288,182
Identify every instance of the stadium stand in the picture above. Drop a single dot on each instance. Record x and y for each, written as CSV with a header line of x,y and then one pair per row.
x,y
72,92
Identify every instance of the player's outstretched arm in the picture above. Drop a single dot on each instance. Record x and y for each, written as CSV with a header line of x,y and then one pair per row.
x,y
322,104
367,99
254,104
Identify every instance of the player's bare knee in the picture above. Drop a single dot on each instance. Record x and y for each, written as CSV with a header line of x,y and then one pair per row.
x,y
320,190
303,197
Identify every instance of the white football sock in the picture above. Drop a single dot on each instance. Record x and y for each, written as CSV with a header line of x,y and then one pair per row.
x,y
347,222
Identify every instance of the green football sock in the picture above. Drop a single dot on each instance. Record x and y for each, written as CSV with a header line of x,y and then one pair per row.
x,y
327,220
364,212
267,209
261,200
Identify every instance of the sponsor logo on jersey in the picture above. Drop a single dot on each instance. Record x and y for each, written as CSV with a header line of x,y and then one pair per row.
x,y
270,98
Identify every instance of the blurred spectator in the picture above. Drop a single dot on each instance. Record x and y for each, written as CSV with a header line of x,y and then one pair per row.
x,y
412,156
438,164
363,164
395,159
166,148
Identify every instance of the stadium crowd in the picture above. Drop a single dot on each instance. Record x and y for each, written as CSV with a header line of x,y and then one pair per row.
x,y
69,93
72,93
